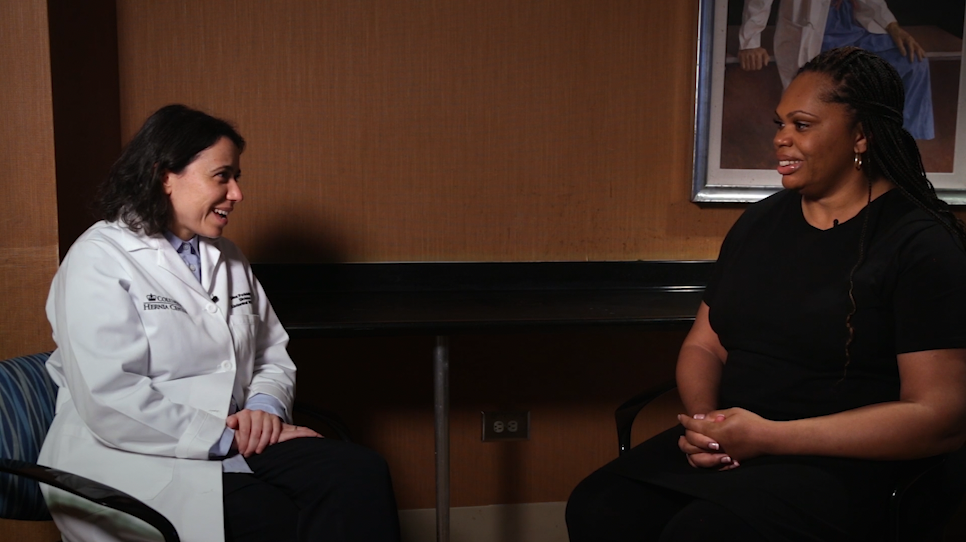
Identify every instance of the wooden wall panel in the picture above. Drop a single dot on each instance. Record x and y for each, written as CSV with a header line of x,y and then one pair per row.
x,y
28,531
440,130
28,202
570,381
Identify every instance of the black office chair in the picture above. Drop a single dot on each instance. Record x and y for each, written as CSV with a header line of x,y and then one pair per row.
x,y
27,398
922,502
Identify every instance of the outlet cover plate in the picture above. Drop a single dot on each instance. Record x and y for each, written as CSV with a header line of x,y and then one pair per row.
x,y
507,425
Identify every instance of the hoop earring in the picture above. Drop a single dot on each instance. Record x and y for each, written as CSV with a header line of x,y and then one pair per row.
x,y
858,162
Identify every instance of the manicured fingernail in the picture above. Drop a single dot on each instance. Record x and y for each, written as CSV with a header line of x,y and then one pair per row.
x,y
735,464
713,445
679,417
699,416
726,460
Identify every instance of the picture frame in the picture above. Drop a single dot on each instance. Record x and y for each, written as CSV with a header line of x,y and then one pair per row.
x,y
734,109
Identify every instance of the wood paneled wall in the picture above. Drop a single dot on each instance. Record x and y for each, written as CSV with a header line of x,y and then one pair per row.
x,y
28,200
453,130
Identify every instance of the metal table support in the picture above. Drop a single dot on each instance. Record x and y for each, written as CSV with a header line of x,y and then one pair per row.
x,y
441,420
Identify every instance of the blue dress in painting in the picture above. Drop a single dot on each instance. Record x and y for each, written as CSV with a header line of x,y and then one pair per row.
x,y
842,30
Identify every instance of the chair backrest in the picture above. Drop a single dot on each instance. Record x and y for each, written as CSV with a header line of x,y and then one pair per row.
x,y
27,399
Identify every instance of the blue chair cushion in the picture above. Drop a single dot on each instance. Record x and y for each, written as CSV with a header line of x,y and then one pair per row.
x,y
27,399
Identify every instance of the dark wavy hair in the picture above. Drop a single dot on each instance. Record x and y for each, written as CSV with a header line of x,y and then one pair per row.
x,y
169,141
873,93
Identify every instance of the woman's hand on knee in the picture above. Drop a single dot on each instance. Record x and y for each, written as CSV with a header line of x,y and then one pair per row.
x,y
290,432
907,45
753,59
255,430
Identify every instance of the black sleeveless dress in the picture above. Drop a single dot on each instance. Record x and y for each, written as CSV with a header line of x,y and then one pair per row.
x,y
779,299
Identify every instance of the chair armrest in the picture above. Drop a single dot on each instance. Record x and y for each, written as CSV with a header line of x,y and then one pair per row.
x,y
926,494
333,420
625,414
95,492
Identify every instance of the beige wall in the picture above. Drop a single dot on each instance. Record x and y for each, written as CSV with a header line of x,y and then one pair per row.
x,y
440,130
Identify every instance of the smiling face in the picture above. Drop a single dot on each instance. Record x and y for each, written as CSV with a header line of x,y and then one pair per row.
x,y
816,140
205,192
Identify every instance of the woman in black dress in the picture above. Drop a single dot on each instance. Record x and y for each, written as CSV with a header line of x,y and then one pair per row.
x,y
830,346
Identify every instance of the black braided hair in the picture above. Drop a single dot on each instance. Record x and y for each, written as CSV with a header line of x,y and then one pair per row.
x,y
872,91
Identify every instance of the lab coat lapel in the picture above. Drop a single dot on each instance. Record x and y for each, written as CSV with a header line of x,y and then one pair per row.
x,y
169,260
211,259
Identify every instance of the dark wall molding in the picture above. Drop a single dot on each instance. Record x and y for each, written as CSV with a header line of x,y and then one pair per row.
x,y
85,88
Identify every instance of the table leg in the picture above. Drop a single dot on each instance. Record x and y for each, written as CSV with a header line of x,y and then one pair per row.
x,y
441,420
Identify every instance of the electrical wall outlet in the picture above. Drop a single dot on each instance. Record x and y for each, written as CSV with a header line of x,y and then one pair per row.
x,y
501,426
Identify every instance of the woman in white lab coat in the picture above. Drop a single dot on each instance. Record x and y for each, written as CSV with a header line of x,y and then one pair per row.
x,y
174,381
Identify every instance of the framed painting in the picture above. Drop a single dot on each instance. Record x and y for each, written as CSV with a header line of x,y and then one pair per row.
x,y
734,160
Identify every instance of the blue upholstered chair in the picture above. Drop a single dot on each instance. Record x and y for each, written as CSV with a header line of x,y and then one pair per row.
x,y
922,502
27,397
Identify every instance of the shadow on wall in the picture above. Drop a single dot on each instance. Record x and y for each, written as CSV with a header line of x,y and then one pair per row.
x,y
297,240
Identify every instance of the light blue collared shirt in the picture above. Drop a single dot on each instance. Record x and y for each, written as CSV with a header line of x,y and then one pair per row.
x,y
188,251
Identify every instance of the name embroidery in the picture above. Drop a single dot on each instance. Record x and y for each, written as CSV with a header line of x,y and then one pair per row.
x,y
159,302
241,299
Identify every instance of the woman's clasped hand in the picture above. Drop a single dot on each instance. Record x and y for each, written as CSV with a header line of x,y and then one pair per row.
x,y
722,439
255,430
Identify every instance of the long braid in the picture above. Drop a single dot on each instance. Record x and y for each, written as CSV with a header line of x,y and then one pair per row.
x,y
873,92
858,262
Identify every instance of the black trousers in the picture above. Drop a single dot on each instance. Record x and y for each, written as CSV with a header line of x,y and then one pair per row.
x,y
311,489
607,507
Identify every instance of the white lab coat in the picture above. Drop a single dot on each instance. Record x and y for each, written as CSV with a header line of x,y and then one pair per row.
x,y
800,28
147,361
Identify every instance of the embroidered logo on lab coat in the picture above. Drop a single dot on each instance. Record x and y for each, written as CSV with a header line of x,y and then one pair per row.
x,y
241,299
159,302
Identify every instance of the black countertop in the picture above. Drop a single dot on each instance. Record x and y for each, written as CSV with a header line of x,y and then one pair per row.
x,y
340,300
